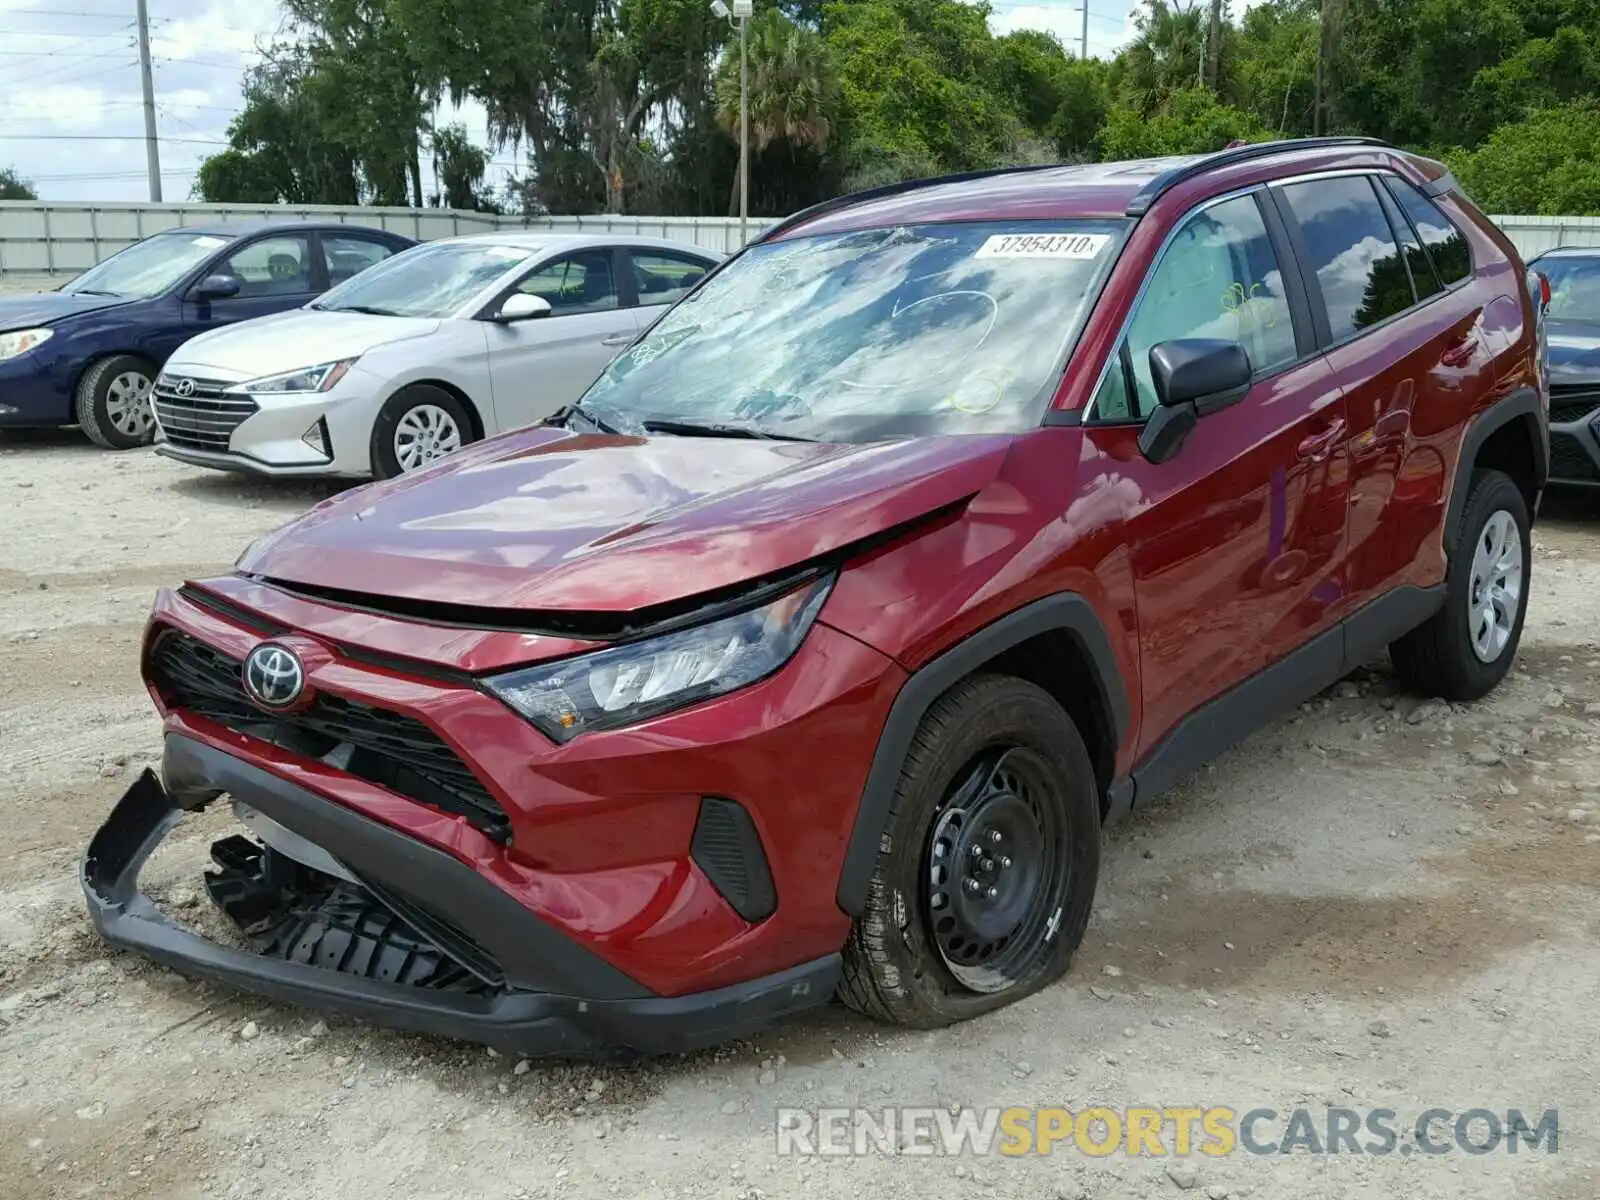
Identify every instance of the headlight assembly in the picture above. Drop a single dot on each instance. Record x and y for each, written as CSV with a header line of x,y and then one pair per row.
x,y
320,378
644,679
20,341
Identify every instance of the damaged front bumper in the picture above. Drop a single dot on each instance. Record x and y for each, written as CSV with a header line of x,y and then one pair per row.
x,y
408,937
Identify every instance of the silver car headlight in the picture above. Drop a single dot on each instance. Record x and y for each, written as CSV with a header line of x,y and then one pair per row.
x,y
20,341
632,683
320,378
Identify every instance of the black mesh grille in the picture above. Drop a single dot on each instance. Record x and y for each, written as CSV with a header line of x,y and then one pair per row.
x,y
375,744
205,418
1573,403
1570,461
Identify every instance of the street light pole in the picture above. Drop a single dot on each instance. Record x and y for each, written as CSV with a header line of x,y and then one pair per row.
x,y
744,120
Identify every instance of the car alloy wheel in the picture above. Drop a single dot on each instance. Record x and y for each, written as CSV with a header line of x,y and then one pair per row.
x,y
1493,600
424,435
128,404
995,873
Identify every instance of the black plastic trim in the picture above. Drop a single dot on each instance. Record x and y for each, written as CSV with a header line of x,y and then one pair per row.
x,y
728,849
1066,611
1291,266
577,1022
1165,182
1441,186
1524,405
1258,701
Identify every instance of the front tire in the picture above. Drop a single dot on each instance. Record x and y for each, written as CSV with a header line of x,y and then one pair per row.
x,y
1467,647
983,888
415,428
112,403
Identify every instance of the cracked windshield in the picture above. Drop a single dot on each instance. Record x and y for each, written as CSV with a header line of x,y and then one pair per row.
x,y
916,330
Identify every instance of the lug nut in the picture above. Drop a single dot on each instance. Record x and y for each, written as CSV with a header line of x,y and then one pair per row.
x,y
994,835
993,892
1004,862
973,885
977,851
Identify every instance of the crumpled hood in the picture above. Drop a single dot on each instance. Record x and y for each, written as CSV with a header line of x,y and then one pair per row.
x,y
46,308
301,337
551,520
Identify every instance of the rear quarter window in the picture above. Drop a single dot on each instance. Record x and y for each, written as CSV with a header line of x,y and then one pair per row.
x,y
1446,244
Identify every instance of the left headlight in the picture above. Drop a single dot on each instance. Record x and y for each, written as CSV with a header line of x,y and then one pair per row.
x,y
20,341
632,683
320,378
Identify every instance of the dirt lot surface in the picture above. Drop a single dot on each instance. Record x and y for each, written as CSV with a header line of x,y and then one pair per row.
x,y
1376,903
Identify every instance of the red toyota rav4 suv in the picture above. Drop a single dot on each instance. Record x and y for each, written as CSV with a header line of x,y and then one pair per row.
x,y
810,652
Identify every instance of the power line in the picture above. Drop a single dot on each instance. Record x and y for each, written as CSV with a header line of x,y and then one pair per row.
x,y
104,137
67,66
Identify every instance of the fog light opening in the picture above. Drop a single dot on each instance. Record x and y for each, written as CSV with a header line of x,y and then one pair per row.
x,y
317,438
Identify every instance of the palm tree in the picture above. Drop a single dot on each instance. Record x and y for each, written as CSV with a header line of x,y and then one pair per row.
x,y
1166,55
793,95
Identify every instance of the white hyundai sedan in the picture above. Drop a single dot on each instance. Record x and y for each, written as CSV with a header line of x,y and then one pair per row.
x,y
436,347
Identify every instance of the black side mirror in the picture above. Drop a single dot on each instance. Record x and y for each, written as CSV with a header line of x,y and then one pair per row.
x,y
1193,377
217,287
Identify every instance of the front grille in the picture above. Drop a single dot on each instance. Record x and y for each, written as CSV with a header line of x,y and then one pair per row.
x,y
1573,403
203,420
375,744
1570,462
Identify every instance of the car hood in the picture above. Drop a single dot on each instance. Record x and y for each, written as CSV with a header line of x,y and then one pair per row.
x,y
550,520
46,308
1574,351
302,337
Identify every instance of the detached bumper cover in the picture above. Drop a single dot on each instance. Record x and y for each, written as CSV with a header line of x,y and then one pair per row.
x,y
557,998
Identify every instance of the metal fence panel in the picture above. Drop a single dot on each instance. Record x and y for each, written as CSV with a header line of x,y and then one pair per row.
x,y
57,238
54,238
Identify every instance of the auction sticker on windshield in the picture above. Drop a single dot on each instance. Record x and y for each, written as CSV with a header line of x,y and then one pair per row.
x,y
1044,245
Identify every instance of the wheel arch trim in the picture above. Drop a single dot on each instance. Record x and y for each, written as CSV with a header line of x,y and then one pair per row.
x,y
1521,405
1065,612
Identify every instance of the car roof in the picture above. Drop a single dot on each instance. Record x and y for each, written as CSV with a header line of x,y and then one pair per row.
x,y
234,229
1113,190
534,242
1568,252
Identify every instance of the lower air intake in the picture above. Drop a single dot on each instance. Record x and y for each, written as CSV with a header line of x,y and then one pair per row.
x,y
728,849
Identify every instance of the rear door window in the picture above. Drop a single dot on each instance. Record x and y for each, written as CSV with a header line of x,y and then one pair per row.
x,y
1352,249
347,255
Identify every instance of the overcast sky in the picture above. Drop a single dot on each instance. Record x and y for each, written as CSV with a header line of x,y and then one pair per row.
x,y
70,113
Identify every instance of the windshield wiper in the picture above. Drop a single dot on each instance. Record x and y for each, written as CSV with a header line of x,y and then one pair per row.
x,y
716,429
92,292
563,415
368,309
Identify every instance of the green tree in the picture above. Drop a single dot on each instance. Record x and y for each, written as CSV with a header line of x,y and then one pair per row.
x,y
794,98
1193,122
1547,164
14,186
1165,57
458,168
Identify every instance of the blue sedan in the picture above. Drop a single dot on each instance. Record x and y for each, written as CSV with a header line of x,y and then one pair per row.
x,y
87,354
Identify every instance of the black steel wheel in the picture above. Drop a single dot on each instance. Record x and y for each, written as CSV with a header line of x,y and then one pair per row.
x,y
983,888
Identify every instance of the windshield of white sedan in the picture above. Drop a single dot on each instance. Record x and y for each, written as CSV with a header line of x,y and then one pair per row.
x,y
948,328
150,267
426,281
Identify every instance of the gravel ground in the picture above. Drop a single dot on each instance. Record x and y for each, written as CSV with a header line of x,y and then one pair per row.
x,y
1376,903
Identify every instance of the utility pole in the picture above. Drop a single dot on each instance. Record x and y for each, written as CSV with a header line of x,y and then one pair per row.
x,y
743,10
1328,30
1214,46
151,151
1085,45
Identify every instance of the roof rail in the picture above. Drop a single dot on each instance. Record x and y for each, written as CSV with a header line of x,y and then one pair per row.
x,y
894,189
1167,180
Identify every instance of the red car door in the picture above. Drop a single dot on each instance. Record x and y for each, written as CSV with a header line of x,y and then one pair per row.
x,y
1405,330
1237,541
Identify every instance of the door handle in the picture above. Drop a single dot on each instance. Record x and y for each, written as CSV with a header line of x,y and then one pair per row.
x,y
618,339
1316,446
1461,350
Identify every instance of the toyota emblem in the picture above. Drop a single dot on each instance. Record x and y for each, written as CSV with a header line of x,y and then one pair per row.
x,y
183,387
273,676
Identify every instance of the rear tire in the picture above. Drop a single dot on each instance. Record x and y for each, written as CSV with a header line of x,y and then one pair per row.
x,y
953,925
112,403
415,428
1467,647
